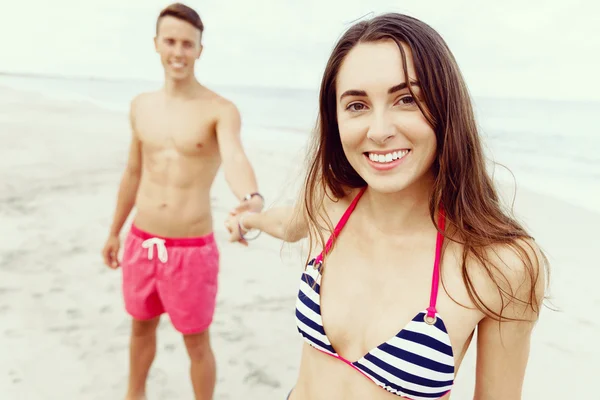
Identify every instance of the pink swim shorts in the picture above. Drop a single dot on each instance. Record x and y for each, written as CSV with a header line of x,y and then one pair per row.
x,y
176,276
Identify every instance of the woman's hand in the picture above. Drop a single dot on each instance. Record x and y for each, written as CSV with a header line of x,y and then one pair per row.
x,y
232,224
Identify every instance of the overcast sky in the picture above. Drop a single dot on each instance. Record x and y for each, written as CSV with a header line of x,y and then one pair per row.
x,y
534,48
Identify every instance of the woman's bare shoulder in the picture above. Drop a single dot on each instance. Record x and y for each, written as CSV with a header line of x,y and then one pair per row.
x,y
511,279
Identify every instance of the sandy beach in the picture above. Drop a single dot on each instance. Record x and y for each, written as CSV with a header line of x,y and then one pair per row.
x,y
63,330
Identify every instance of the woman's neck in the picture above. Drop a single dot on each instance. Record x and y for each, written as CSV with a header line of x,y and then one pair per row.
x,y
401,212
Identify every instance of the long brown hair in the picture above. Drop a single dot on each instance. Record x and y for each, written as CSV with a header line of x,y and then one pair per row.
x,y
462,185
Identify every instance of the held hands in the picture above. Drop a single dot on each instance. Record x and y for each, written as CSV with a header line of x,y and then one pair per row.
x,y
233,226
252,203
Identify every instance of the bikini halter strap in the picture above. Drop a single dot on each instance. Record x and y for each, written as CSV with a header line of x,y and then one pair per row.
x,y
340,225
435,281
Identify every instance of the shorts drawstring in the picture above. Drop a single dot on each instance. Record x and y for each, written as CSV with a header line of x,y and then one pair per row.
x,y
163,256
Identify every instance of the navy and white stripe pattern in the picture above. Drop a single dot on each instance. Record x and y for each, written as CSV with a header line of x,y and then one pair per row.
x,y
417,363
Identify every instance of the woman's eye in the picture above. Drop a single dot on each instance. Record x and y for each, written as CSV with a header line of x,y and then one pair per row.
x,y
356,107
407,100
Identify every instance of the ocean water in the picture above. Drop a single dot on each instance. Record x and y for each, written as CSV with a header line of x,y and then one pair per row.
x,y
549,146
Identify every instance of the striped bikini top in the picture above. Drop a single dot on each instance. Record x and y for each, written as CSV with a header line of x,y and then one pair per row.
x,y
417,363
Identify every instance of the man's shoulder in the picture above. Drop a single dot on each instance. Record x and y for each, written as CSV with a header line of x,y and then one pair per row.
x,y
221,104
144,98
139,107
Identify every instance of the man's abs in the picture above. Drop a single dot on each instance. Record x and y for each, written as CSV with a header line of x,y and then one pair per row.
x,y
175,201
174,215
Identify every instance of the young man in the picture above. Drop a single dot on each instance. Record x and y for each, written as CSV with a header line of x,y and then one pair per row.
x,y
181,134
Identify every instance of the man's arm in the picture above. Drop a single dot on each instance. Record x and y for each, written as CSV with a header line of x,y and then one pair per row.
x,y
126,198
130,180
239,173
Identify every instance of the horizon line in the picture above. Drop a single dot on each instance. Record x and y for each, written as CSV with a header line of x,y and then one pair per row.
x,y
36,75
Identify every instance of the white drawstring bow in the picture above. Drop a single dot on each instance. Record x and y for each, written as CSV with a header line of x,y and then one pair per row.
x,y
163,256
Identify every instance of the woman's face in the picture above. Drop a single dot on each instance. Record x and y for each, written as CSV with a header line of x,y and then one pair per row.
x,y
384,134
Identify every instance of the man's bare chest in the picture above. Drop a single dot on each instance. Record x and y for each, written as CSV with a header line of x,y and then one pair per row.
x,y
188,134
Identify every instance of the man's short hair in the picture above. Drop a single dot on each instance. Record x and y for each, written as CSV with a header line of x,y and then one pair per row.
x,y
182,12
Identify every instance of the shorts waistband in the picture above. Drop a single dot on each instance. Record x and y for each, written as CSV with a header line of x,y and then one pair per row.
x,y
177,242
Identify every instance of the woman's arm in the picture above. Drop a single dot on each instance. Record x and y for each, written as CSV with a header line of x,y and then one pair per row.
x,y
502,355
503,347
284,223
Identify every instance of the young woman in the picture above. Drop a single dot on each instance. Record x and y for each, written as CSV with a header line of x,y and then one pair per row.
x,y
410,248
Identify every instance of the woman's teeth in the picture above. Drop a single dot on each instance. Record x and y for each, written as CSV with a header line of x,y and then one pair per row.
x,y
389,157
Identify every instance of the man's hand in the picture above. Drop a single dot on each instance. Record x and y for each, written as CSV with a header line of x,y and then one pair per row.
x,y
110,251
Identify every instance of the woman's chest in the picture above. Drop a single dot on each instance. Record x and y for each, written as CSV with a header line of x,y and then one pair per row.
x,y
367,301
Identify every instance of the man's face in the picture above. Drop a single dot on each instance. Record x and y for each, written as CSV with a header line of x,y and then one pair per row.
x,y
178,43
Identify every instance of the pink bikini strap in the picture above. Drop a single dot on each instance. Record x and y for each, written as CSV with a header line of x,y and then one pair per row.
x,y
340,225
431,310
